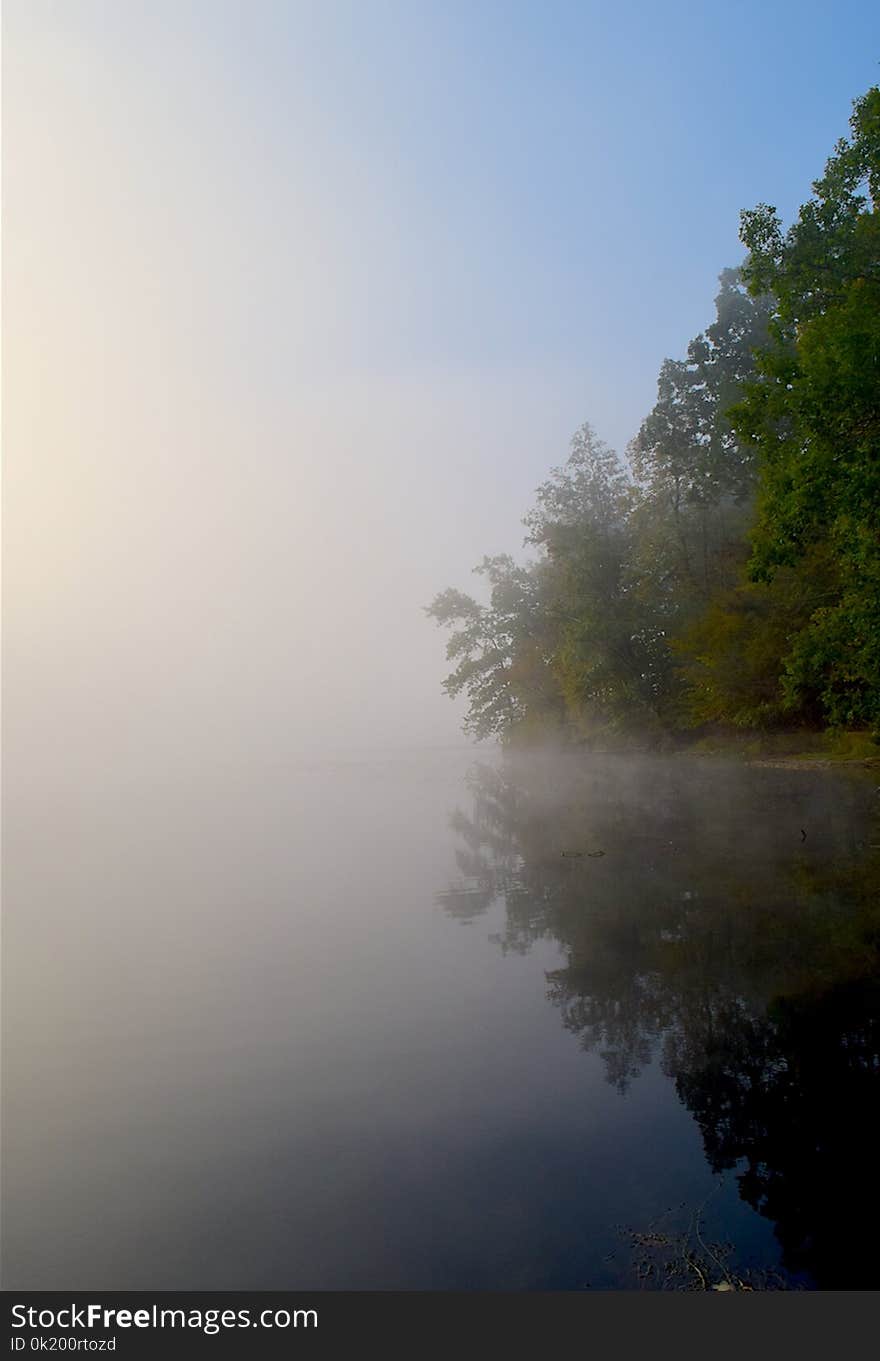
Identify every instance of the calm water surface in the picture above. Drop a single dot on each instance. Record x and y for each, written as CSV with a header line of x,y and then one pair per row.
x,y
381,1023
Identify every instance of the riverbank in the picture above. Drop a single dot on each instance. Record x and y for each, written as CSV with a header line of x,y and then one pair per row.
x,y
794,749
797,750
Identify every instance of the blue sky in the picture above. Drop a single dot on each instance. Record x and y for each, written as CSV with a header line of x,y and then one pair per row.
x,y
557,183
303,300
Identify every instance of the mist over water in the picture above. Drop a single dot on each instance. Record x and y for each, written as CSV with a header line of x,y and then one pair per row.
x,y
301,303
395,1022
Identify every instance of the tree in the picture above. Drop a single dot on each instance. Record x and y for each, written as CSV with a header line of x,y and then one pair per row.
x,y
609,655
697,477
501,665
733,576
813,418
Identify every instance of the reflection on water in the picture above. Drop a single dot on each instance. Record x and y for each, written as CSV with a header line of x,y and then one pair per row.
x,y
245,1048
724,923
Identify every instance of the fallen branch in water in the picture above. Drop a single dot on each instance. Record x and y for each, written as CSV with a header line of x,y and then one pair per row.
x,y
663,1258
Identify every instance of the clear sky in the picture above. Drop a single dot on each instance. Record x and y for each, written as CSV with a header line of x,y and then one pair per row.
x,y
302,300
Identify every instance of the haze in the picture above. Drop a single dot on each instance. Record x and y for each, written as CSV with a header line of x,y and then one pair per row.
x,y
302,302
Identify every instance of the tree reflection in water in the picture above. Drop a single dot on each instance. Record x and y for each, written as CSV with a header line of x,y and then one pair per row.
x,y
731,929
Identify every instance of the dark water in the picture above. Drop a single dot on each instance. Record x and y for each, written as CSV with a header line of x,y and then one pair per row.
x,y
395,1023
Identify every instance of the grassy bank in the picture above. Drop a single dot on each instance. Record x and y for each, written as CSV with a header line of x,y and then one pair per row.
x,y
795,748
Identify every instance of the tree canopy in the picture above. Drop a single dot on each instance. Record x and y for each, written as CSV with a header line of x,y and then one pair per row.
x,y
727,572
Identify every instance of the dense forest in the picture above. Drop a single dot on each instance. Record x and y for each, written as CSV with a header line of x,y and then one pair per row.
x,y
725,574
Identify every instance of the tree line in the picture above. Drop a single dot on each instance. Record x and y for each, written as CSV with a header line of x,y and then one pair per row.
x,y
726,573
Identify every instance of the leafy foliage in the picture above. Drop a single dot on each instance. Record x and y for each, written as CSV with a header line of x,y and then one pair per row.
x,y
813,418
729,573
499,661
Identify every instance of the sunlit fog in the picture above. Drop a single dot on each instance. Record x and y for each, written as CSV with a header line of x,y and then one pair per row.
x,y
441,668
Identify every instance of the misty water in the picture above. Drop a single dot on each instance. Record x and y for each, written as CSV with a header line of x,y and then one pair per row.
x,y
434,1020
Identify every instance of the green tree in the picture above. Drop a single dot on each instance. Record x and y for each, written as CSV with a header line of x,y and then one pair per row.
x,y
609,656
813,419
697,477
499,648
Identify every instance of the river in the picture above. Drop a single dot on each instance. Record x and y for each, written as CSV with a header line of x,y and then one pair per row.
x,y
436,1020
